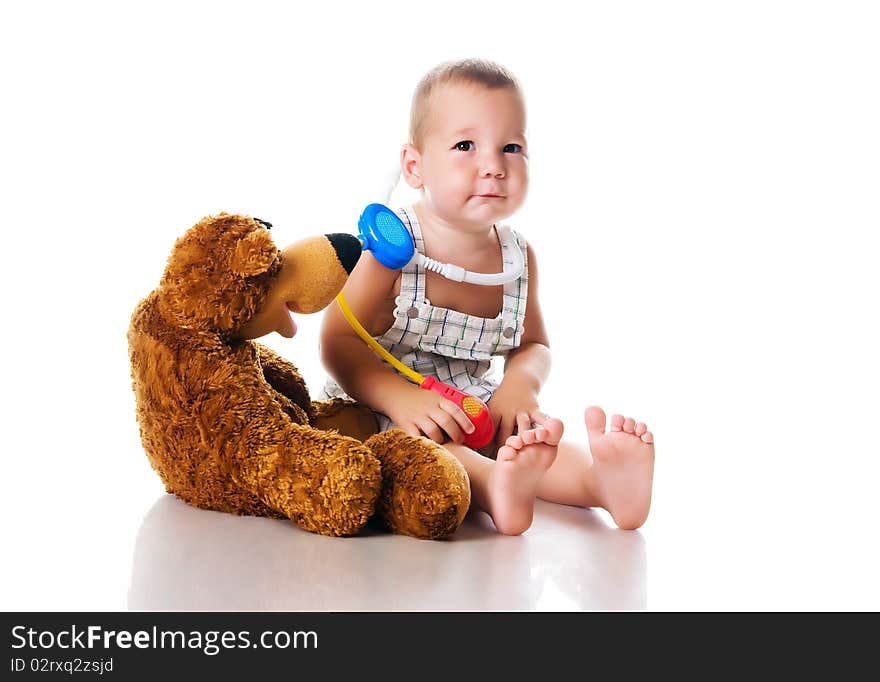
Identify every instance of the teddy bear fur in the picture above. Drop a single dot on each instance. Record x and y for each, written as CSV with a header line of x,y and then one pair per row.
x,y
229,425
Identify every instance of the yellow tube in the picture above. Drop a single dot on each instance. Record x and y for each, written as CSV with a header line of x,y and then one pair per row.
x,y
372,343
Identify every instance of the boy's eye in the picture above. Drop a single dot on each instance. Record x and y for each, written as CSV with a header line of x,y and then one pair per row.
x,y
512,148
464,146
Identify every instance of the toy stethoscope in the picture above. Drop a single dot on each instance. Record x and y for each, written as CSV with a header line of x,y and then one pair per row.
x,y
383,233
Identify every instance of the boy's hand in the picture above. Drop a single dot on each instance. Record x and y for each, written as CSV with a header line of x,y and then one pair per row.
x,y
509,404
420,412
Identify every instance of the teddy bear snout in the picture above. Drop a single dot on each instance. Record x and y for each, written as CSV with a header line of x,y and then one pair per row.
x,y
347,247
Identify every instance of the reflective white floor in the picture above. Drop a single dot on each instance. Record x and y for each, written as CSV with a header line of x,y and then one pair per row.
x,y
189,559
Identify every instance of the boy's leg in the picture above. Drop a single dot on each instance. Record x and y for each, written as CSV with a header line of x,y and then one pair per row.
x,y
615,473
505,487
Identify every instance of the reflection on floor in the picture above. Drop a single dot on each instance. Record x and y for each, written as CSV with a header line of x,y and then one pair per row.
x,y
190,559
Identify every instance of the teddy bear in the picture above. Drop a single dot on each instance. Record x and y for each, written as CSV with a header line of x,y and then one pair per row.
x,y
229,425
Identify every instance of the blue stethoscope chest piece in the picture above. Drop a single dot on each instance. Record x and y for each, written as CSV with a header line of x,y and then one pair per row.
x,y
385,235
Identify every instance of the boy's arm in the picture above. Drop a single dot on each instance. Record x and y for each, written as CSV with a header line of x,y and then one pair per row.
x,y
365,377
526,368
348,359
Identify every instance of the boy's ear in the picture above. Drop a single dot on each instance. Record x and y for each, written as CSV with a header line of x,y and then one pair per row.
x,y
410,162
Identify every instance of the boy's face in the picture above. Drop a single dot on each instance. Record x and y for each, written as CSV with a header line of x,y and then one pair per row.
x,y
473,162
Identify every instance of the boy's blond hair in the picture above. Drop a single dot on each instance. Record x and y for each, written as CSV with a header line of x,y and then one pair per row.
x,y
475,71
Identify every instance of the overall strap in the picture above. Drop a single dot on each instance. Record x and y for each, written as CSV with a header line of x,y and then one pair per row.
x,y
412,276
516,292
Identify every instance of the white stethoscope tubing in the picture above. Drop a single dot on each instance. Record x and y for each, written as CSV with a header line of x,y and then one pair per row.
x,y
458,274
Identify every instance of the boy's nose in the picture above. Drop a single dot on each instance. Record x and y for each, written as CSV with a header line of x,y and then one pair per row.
x,y
491,165
492,170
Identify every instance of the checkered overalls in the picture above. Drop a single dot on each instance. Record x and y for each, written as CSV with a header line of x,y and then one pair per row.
x,y
456,348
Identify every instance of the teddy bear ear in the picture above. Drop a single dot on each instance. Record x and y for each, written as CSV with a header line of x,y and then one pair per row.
x,y
254,254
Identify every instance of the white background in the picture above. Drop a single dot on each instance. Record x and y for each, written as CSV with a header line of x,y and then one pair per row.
x,y
704,207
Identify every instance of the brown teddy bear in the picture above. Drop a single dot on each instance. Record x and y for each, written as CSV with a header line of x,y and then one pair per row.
x,y
229,425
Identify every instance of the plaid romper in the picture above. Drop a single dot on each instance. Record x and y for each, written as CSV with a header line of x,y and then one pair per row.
x,y
455,348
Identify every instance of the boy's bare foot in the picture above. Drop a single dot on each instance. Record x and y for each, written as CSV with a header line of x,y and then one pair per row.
x,y
623,462
519,465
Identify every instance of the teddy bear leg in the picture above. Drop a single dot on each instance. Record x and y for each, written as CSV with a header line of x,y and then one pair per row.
x,y
323,482
425,489
345,416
